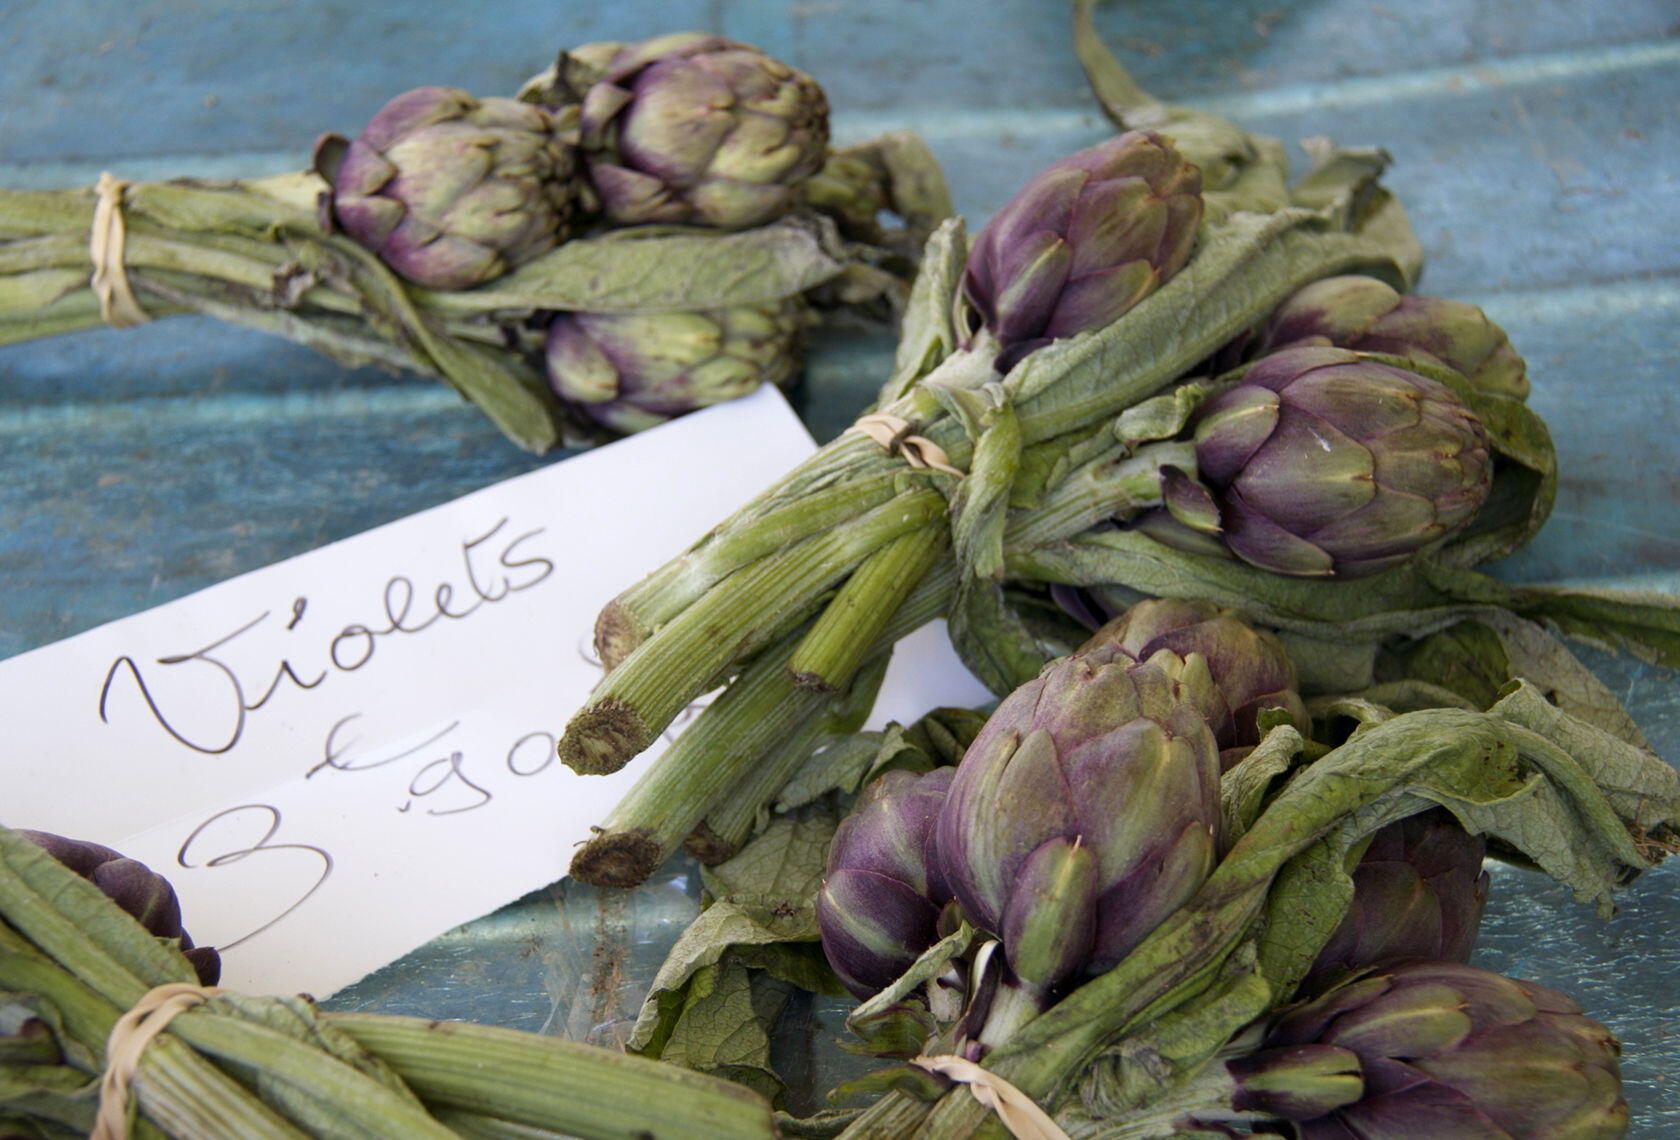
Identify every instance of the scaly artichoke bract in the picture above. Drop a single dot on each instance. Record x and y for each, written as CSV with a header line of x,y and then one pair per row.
x,y
139,890
1085,812
631,371
881,897
1326,464
1418,892
1231,670
452,191
700,129
1453,1052
1084,241
1365,314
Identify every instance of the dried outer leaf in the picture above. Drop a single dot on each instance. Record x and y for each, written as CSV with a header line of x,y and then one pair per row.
x,y
896,1021
927,334
916,186
1223,151
1244,788
1467,658
1644,624
1642,790
1143,1070
766,896
980,505
1477,658
993,639
1163,416
1330,664
664,269
724,1027
1243,268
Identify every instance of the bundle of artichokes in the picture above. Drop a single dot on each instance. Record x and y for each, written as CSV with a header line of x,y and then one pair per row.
x,y
675,194
1161,370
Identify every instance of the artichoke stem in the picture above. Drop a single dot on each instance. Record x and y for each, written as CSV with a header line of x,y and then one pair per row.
x,y
647,690
829,655
722,753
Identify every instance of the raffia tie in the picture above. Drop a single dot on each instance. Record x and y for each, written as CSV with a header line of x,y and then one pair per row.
x,y
131,1034
1015,1109
106,245
893,433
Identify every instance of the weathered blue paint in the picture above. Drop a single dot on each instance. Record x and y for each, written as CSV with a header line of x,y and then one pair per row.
x,y
1533,144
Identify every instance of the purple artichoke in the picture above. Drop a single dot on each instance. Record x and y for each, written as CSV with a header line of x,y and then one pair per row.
x,y
1365,314
1084,241
452,191
1418,892
631,371
1230,670
881,898
1450,1052
143,893
1085,812
1326,464
697,128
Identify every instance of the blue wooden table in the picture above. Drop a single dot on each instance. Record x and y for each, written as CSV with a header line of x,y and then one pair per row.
x,y
1534,145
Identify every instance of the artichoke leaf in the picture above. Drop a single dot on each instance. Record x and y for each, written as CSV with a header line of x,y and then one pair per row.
x,y
665,269
1242,269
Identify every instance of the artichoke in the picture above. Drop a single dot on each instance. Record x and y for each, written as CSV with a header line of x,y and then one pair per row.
x,y
1449,1052
140,891
631,371
452,191
1229,669
1365,314
1084,241
883,892
1326,464
1418,892
700,129
1084,813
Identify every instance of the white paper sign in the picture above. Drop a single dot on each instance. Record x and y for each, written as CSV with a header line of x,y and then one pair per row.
x,y
338,757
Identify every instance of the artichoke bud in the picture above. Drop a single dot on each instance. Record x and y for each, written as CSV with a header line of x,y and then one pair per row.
x,y
1296,1082
1368,315
1049,920
145,895
693,128
1325,464
1418,892
851,190
452,191
1453,1052
1230,670
883,896
632,371
1101,750
1085,240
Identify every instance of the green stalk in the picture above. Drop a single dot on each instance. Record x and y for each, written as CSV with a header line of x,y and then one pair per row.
x,y
629,618
637,700
830,654
317,1087
717,752
734,818
551,1083
1096,492
749,719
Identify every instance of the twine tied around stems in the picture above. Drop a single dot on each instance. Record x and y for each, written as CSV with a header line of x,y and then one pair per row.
x,y
893,433
1015,1109
106,242
129,1037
